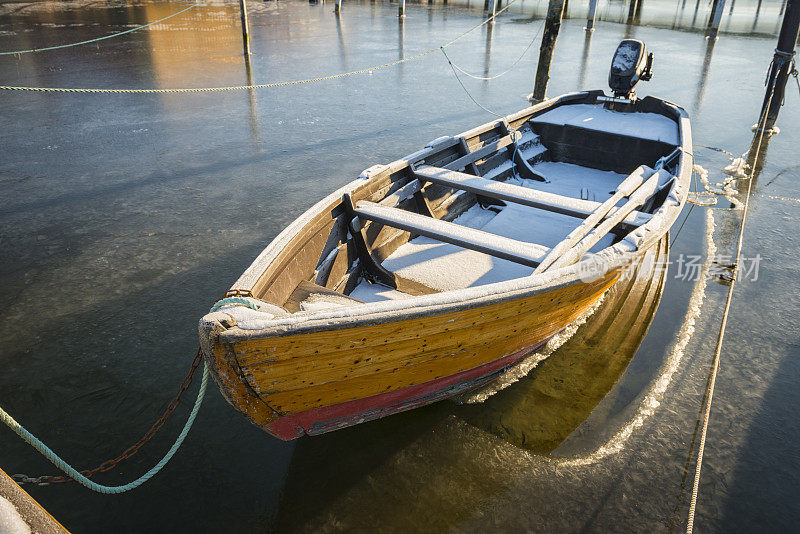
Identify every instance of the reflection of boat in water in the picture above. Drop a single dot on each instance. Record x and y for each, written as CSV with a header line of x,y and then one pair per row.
x,y
434,274
386,468
544,407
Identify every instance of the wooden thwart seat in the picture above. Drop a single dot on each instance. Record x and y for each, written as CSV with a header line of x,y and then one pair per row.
x,y
495,245
483,152
573,207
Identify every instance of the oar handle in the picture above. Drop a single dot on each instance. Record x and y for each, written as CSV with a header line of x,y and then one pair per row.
x,y
628,186
639,197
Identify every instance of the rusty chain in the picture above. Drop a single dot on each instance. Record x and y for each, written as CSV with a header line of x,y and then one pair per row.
x,y
130,451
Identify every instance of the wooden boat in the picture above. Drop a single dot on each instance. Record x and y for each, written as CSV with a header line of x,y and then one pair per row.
x,y
432,275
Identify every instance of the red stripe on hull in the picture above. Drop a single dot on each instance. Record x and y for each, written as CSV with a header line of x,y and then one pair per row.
x,y
328,418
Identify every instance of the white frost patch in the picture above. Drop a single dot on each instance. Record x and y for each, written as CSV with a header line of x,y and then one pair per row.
x,y
737,168
314,305
10,520
447,267
625,58
245,317
595,117
370,292
724,188
574,181
529,363
785,199
652,399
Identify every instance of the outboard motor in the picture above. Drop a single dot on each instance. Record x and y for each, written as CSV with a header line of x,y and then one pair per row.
x,y
631,64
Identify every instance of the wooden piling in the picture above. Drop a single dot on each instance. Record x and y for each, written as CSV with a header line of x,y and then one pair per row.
x,y
591,15
494,10
779,71
632,11
587,41
245,27
488,53
713,21
755,17
338,8
552,25
781,65
401,10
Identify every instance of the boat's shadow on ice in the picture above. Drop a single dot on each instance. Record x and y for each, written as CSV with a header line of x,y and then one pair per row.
x,y
536,413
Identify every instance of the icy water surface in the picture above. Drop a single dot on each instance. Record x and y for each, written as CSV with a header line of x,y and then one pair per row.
x,y
124,217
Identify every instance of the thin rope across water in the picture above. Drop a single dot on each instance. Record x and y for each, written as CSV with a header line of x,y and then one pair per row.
x,y
56,47
484,108
509,69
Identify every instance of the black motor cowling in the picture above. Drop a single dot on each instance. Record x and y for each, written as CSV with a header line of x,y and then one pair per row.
x,y
631,64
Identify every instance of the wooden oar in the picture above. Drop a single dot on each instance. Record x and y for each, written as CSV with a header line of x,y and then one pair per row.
x,y
638,198
626,188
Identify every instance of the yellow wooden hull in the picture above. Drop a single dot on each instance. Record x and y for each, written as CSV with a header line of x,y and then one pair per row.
x,y
313,382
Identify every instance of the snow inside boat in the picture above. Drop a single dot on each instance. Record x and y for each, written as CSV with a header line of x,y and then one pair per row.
x,y
432,275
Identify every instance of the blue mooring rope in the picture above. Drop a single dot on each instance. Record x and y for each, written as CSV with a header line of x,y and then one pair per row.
x,y
94,486
234,301
59,462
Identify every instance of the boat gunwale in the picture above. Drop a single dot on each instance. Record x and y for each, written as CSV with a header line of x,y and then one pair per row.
x,y
615,256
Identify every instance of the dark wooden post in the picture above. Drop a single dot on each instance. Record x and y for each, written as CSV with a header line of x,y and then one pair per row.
x,y
632,11
755,18
591,15
587,41
338,8
401,9
555,12
781,65
778,74
713,21
245,29
488,53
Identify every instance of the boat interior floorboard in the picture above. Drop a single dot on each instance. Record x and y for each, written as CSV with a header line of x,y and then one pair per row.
x,y
573,181
448,267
